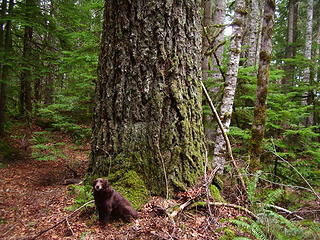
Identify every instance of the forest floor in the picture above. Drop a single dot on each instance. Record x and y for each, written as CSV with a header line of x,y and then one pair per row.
x,y
33,198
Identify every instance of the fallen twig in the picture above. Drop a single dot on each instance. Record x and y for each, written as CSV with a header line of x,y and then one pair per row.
x,y
68,224
284,210
58,223
12,227
238,207
235,207
174,213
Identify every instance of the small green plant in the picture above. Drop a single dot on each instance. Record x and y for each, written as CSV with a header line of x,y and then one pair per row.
x,y
272,226
43,148
269,224
46,152
41,137
60,118
83,194
247,227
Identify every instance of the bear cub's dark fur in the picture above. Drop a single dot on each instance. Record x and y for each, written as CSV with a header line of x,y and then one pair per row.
x,y
111,204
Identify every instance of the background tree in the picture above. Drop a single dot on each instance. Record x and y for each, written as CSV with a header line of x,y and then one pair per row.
x,y
207,26
260,110
230,83
5,49
254,33
291,47
219,16
26,76
307,98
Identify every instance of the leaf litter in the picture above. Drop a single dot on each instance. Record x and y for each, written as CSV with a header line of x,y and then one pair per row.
x,y
33,198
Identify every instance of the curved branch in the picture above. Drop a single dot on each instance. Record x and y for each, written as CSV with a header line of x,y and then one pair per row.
x,y
229,150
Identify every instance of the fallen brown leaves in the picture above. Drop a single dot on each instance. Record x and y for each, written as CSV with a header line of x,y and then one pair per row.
x,y
33,198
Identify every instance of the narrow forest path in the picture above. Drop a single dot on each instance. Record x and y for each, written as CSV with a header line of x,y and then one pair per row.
x,y
32,194
33,198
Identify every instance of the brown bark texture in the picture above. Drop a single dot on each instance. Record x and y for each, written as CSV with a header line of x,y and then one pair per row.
x,y
148,113
6,46
258,125
25,79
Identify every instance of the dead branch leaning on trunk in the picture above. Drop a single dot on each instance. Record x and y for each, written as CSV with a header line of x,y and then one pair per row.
x,y
216,115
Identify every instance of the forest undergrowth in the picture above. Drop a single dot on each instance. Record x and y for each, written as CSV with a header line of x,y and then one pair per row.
x,y
34,197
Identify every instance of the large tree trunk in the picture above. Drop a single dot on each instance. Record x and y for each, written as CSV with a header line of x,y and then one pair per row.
x,y
25,79
5,69
148,114
230,84
258,125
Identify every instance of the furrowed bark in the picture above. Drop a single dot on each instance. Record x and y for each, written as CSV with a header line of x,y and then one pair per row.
x,y
148,114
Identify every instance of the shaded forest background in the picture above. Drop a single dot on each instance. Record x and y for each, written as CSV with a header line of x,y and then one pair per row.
x,y
48,68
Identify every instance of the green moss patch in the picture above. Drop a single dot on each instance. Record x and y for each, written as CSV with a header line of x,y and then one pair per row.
x,y
215,193
131,186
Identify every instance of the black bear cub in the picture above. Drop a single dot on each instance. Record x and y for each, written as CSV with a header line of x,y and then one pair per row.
x,y
110,204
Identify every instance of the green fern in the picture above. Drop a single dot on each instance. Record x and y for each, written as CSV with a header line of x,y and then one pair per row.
x,y
249,226
83,194
252,187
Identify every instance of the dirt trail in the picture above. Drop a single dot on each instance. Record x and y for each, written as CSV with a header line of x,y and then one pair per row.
x,y
32,194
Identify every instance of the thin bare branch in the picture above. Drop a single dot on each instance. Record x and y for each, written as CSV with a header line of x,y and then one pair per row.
x,y
228,145
284,210
305,180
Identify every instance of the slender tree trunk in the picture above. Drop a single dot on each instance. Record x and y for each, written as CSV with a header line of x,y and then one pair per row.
x,y
231,82
317,77
218,21
258,125
307,54
207,25
291,42
2,55
148,115
317,56
5,69
25,79
254,32
50,78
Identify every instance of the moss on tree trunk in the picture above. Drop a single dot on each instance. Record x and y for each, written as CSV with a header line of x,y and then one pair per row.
x,y
148,95
258,125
